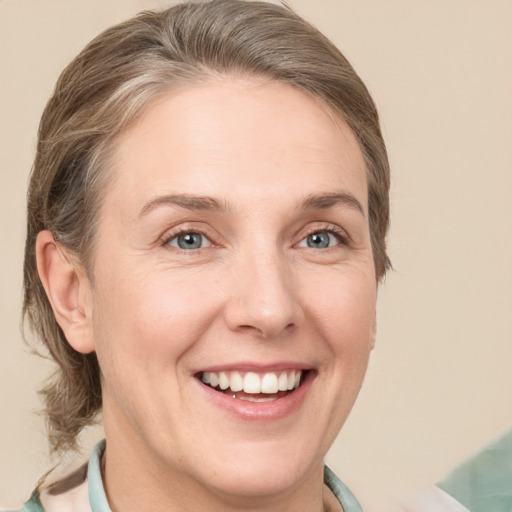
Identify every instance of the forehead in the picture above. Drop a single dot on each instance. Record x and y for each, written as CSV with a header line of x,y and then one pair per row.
x,y
252,136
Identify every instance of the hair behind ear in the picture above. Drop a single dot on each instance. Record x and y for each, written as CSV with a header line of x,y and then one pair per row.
x,y
66,288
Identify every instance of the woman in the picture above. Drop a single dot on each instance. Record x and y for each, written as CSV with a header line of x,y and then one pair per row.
x,y
206,230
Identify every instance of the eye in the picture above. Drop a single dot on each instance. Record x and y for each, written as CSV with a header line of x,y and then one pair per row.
x,y
320,240
189,240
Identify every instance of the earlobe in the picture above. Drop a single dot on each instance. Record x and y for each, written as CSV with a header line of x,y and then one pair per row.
x,y
68,289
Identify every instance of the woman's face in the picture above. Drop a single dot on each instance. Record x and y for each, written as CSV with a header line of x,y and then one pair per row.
x,y
233,247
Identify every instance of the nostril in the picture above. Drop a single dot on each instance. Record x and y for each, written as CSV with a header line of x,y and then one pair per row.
x,y
265,332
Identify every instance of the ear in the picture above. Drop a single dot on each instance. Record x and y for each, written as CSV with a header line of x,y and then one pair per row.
x,y
68,289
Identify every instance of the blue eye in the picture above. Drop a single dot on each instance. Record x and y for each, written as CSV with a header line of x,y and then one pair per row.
x,y
320,240
189,241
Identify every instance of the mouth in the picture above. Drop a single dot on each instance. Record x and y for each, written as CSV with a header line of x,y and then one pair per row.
x,y
254,386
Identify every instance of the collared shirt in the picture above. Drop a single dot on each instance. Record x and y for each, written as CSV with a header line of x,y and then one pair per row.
x,y
76,500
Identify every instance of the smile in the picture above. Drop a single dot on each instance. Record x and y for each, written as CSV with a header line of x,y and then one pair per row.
x,y
252,386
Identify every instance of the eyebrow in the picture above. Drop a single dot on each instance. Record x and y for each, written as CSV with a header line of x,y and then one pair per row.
x,y
186,201
207,203
328,200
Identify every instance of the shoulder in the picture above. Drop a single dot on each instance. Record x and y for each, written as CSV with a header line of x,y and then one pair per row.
x,y
484,482
432,499
32,505
69,494
73,492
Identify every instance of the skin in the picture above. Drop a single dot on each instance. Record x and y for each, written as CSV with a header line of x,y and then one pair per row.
x,y
254,294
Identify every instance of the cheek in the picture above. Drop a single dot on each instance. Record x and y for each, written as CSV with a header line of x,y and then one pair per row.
x,y
151,316
344,305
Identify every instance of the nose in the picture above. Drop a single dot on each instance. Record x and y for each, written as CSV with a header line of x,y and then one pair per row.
x,y
264,296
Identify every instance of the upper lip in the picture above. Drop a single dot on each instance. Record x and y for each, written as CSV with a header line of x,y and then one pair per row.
x,y
255,367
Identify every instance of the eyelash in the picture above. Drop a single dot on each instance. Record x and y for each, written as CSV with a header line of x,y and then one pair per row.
x,y
168,238
340,234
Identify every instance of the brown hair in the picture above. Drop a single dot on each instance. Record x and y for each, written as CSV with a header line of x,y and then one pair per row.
x,y
107,85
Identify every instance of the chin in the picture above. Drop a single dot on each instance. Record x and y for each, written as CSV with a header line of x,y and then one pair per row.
x,y
265,470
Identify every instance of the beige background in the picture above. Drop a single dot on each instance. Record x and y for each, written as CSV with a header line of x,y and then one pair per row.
x,y
440,380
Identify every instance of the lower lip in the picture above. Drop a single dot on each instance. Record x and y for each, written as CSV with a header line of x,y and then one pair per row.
x,y
261,411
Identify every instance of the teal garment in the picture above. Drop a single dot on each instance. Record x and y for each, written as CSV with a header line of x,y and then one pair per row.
x,y
97,496
484,482
33,504
99,503
341,491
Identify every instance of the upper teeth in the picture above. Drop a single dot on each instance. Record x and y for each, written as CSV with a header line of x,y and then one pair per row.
x,y
252,382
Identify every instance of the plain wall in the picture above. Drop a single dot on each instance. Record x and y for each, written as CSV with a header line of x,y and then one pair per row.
x,y
439,383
